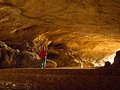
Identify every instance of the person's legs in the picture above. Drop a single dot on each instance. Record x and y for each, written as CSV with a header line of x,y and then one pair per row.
x,y
45,64
42,63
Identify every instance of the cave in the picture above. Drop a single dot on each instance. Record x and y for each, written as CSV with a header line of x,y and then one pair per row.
x,y
88,30
77,34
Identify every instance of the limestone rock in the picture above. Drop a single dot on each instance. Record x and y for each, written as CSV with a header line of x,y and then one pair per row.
x,y
51,64
27,59
62,55
11,58
90,28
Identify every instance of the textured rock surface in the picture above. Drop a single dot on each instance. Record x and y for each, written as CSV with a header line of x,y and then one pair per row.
x,y
88,28
51,64
11,58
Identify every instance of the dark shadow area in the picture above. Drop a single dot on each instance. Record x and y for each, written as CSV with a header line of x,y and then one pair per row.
x,y
116,63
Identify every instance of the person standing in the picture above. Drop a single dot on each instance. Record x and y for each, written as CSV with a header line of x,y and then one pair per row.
x,y
43,56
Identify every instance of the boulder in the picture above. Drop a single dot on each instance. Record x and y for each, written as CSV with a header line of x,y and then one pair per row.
x,y
6,55
62,55
13,58
51,64
27,59
107,64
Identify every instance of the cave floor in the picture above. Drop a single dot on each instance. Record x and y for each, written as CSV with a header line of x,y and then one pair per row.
x,y
59,79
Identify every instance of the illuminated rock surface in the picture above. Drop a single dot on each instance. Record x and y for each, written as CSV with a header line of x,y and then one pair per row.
x,y
84,31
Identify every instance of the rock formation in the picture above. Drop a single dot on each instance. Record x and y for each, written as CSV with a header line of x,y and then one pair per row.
x,y
51,64
89,29
116,63
107,65
11,58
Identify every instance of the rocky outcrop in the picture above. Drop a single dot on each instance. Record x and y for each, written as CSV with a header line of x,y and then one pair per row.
x,y
6,55
116,63
27,59
11,58
51,64
62,55
107,65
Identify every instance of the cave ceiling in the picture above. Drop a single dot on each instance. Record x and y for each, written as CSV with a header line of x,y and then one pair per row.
x,y
91,27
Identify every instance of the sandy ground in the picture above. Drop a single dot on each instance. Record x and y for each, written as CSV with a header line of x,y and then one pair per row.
x,y
59,79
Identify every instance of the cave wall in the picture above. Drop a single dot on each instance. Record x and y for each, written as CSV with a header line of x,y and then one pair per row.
x,y
88,28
